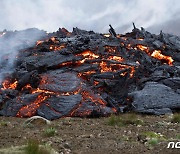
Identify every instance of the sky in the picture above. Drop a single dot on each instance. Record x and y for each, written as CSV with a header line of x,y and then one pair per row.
x,y
49,15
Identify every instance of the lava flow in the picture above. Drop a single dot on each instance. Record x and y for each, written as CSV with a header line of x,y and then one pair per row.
x,y
8,85
156,54
82,73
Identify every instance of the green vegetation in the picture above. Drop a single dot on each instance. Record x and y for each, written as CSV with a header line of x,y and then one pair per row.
x,y
153,142
124,120
178,136
33,147
176,118
153,135
152,138
50,132
3,123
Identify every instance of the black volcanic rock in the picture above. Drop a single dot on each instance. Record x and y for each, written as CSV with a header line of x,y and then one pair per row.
x,y
47,60
56,107
155,98
58,82
87,74
12,106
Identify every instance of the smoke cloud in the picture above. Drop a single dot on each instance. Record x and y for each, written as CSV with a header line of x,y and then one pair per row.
x,y
91,15
11,43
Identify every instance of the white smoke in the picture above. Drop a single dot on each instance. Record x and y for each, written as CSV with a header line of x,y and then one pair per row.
x,y
92,14
11,43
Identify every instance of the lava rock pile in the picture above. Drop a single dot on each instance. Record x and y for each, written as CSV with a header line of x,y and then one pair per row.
x,y
86,74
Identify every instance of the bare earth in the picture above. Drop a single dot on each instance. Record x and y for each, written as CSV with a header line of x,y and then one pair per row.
x,y
77,135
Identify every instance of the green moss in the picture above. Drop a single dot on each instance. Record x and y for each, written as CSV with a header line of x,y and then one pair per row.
x,y
124,120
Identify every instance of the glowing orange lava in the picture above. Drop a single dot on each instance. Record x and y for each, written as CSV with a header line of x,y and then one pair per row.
x,y
116,58
30,110
7,85
89,54
157,54
39,42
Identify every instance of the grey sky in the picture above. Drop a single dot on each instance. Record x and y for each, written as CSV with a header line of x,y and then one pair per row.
x,y
91,15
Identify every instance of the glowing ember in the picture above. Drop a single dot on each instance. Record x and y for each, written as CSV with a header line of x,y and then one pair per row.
x,y
39,42
54,48
30,110
140,39
42,91
111,67
94,98
96,83
89,54
110,49
7,85
107,35
157,54
53,39
104,67
143,48
86,73
28,86
71,93
116,58
129,46
132,72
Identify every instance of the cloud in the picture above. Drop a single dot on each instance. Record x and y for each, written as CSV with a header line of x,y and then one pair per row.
x,y
91,15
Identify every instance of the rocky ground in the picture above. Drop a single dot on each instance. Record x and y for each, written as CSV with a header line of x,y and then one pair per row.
x,y
134,134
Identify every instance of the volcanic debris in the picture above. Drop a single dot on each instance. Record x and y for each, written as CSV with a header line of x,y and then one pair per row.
x,y
87,74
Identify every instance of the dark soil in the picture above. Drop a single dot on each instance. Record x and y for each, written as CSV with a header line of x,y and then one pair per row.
x,y
77,135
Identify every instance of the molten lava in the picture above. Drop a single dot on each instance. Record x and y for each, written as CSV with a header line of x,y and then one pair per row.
x,y
88,54
99,65
30,110
116,58
157,54
8,85
143,48
54,47
39,42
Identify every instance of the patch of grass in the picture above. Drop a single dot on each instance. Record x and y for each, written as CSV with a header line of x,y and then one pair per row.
x,y
50,132
124,120
178,136
152,138
33,147
153,142
176,118
153,135
3,123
